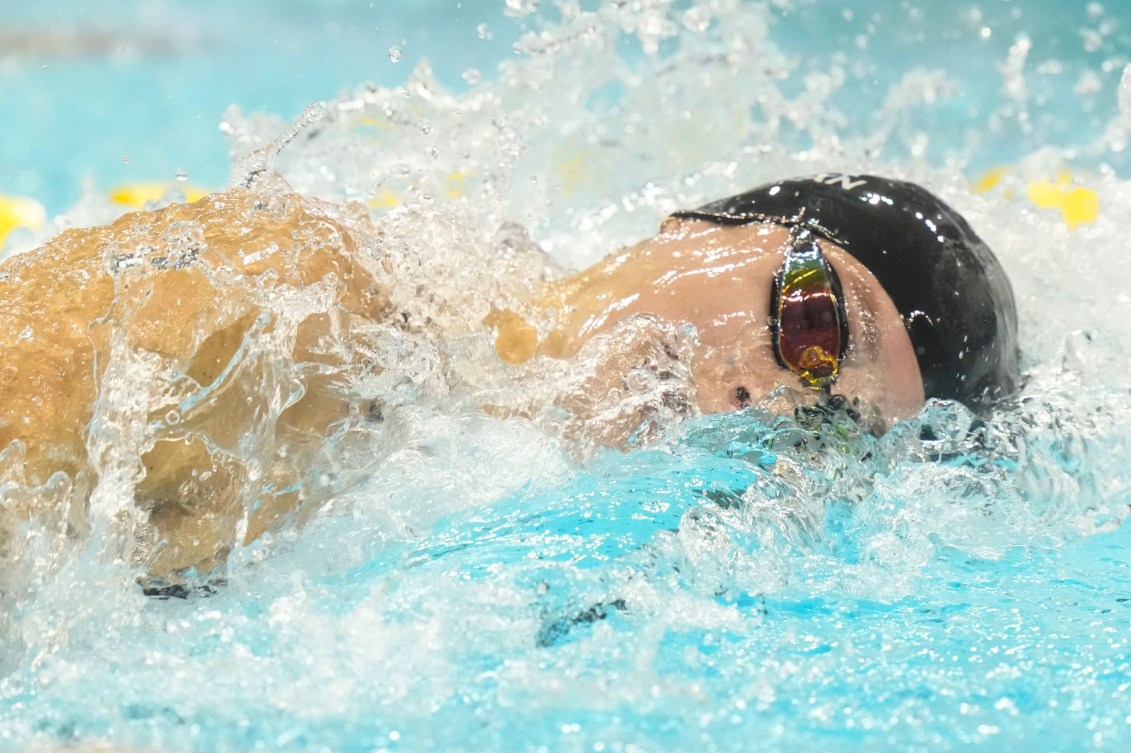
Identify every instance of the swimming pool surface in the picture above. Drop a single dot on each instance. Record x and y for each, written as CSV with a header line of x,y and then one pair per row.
x,y
736,582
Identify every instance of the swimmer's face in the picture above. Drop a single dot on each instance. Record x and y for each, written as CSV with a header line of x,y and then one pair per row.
x,y
719,278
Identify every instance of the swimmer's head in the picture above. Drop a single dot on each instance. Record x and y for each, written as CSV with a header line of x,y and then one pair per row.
x,y
855,293
951,294
781,317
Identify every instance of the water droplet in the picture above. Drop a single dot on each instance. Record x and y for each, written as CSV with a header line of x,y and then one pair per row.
x,y
696,20
1124,94
519,8
395,54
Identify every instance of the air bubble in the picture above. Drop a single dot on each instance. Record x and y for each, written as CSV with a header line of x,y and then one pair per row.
x,y
520,8
395,54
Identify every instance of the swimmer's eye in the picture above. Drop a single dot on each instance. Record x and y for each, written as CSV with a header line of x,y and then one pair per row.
x,y
807,319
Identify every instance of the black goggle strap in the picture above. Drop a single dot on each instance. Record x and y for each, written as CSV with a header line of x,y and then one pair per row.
x,y
808,324
797,223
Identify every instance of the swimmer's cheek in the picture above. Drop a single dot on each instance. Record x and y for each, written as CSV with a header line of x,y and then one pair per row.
x,y
722,386
887,391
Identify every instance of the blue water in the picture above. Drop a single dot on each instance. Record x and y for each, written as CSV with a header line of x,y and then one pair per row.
x,y
639,604
730,583
134,91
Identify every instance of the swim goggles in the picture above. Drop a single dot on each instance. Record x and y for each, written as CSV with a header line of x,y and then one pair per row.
x,y
808,325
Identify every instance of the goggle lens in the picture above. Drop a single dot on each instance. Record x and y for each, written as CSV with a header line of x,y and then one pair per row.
x,y
810,331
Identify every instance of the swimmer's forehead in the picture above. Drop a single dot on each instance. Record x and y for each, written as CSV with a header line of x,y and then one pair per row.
x,y
689,245
696,236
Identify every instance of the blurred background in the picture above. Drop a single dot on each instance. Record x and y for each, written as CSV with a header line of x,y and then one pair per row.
x,y
132,91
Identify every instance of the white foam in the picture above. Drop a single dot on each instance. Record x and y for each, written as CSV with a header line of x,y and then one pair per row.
x,y
576,147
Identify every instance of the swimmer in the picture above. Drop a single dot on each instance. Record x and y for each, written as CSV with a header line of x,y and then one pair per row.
x,y
200,353
868,291
847,290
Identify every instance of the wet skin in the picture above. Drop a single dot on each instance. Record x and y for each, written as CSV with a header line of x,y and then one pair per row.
x,y
718,278
186,290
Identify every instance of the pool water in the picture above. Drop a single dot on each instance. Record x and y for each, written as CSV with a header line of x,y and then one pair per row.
x,y
100,94
736,582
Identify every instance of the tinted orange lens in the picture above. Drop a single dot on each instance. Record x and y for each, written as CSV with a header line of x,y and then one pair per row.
x,y
809,327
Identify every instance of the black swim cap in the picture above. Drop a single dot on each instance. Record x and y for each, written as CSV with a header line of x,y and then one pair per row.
x,y
952,293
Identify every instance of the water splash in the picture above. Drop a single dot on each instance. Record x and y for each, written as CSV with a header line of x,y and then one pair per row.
x,y
790,580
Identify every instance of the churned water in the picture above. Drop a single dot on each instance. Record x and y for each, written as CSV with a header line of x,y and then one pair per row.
x,y
736,582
